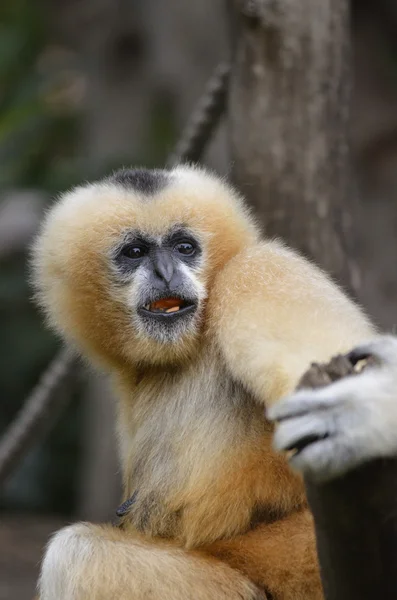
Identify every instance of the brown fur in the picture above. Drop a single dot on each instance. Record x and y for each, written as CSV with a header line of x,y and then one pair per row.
x,y
194,443
297,575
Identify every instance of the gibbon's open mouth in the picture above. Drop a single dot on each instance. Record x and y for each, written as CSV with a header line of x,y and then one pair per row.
x,y
168,307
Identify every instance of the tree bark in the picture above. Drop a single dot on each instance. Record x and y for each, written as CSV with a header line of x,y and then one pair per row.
x,y
288,117
100,488
356,530
289,122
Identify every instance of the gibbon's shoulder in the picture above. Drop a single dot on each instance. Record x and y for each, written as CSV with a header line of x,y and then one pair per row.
x,y
272,265
291,297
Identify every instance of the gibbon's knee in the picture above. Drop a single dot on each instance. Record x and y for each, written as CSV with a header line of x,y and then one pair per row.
x,y
94,562
64,563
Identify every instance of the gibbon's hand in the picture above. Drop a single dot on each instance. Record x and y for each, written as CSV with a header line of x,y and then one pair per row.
x,y
333,429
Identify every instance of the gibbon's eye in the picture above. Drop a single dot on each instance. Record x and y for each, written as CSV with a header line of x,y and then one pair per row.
x,y
134,251
185,248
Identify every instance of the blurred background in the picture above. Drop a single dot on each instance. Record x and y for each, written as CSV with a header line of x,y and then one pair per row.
x,y
90,85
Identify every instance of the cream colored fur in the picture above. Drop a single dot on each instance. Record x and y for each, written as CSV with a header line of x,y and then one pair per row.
x,y
194,443
102,563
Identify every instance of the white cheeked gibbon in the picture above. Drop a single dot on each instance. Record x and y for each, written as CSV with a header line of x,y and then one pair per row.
x,y
161,279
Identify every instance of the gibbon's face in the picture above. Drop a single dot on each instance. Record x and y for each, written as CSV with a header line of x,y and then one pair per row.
x,y
123,267
160,277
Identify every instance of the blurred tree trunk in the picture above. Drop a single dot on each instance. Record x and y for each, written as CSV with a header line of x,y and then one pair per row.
x,y
288,115
99,491
289,122
374,145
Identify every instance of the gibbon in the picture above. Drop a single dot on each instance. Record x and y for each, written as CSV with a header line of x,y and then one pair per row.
x,y
341,426
161,279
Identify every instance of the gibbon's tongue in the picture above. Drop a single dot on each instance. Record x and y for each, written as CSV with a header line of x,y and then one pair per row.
x,y
167,305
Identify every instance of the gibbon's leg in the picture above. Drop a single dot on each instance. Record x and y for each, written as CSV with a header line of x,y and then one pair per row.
x,y
280,557
337,428
100,562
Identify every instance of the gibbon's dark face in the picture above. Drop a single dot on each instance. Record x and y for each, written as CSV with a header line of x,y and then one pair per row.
x,y
159,274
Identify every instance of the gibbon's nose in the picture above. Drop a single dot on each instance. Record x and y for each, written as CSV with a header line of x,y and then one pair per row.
x,y
163,266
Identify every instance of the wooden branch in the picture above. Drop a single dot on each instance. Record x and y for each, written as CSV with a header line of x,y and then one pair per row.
x,y
355,516
356,529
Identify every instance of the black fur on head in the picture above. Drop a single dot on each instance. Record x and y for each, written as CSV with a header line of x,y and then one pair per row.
x,y
146,181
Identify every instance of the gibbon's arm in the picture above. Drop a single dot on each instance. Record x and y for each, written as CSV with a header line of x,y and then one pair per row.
x,y
346,424
273,313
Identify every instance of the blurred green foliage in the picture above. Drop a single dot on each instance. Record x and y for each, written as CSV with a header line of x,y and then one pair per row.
x,y
37,137
37,143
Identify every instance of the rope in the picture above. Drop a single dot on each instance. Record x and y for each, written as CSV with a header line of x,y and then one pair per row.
x,y
44,403
204,118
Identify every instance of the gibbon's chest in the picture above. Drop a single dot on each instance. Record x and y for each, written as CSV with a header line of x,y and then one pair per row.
x,y
177,415
181,433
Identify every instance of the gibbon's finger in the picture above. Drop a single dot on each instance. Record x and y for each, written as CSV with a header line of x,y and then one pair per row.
x,y
382,349
297,433
335,455
303,402
126,505
323,460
